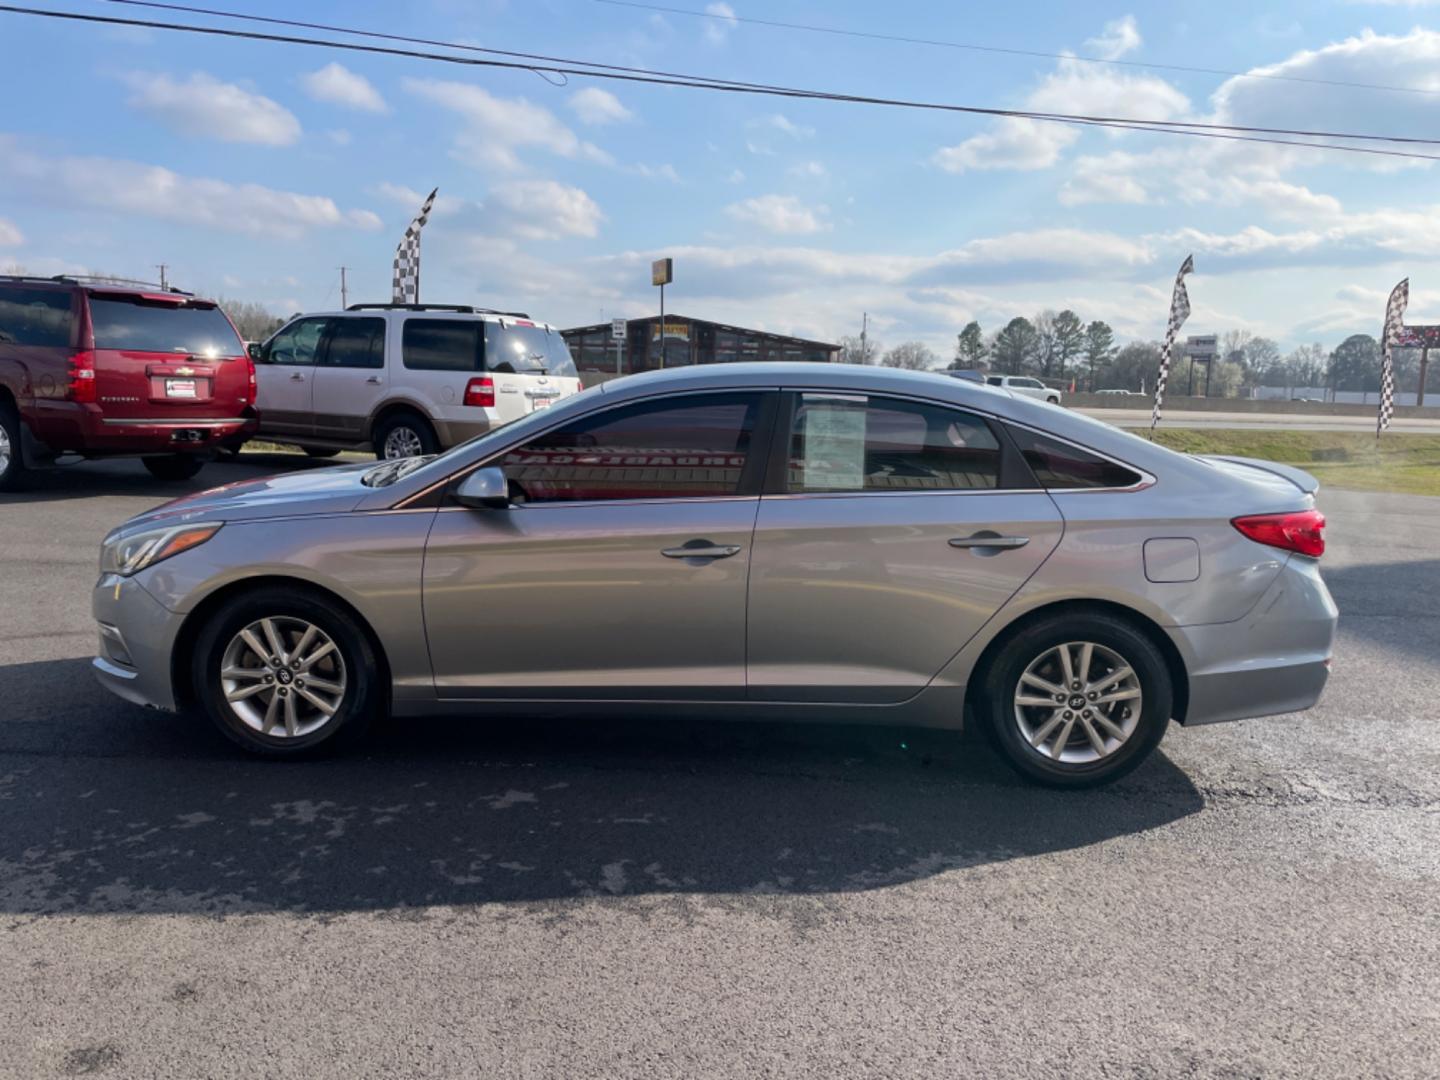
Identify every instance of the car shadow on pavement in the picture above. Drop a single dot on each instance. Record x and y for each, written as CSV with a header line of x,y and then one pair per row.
x,y
110,808
128,477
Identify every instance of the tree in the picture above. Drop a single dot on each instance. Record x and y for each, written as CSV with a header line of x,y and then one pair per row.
x,y
1355,364
1015,347
1044,324
851,351
1135,366
912,356
1099,348
1069,333
251,319
970,348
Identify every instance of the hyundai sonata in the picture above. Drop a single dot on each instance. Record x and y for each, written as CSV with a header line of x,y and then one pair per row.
x,y
751,540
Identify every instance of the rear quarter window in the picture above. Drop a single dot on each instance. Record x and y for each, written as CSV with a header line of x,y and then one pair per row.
x,y
162,326
35,317
1058,465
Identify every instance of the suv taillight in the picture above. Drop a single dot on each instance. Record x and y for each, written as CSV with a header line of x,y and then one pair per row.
x,y
250,372
82,378
1302,531
480,392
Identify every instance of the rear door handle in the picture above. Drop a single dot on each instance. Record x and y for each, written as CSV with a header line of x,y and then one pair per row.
x,y
701,549
988,540
297,377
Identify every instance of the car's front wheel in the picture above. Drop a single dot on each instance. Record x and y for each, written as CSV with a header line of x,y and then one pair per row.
x,y
174,467
283,672
1077,700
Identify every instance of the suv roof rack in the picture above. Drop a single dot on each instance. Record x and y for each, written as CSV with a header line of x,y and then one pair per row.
x,y
461,309
95,279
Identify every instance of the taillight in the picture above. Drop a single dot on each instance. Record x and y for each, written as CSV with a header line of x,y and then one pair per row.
x,y
1302,531
480,392
82,378
250,371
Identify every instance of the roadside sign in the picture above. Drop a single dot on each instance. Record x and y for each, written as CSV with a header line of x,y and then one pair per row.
x,y
617,329
662,271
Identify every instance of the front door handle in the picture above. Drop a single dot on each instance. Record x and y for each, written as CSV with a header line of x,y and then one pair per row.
x,y
701,549
989,540
297,377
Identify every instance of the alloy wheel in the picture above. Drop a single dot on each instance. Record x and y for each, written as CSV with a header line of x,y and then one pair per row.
x,y
5,450
1078,703
283,677
403,442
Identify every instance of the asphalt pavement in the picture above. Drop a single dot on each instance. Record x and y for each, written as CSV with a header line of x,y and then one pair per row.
x,y
481,898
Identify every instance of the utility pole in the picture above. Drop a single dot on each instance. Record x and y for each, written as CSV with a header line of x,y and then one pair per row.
x,y
864,341
344,292
162,267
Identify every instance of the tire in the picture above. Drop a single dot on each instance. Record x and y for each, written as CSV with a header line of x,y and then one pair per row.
x,y
406,428
1127,735
1053,400
319,452
12,456
250,722
174,467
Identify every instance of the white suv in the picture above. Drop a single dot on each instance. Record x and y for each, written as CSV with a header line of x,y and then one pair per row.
x,y
405,379
1020,384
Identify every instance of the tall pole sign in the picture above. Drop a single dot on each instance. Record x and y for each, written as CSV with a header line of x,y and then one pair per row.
x,y
662,273
618,329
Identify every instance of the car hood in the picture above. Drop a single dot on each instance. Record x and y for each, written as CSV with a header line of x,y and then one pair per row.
x,y
312,491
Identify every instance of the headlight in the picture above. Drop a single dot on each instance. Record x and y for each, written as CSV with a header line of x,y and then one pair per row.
x,y
126,555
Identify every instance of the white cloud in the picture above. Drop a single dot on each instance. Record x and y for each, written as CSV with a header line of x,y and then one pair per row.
x,y
783,124
780,214
498,128
338,85
655,172
737,176
813,170
1011,144
131,187
1119,37
10,234
205,107
1104,179
721,22
545,209
338,136
595,106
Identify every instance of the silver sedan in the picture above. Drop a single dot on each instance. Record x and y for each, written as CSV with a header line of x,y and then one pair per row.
x,y
751,540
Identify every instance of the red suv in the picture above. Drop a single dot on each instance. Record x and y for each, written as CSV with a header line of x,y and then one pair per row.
x,y
99,368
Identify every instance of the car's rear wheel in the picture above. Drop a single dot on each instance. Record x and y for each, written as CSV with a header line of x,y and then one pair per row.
x,y
1077,700
284,673
404,434
12,461
174,466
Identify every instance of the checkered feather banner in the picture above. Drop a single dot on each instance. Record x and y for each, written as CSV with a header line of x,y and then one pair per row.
x,y
405,283
1394,323
1179,312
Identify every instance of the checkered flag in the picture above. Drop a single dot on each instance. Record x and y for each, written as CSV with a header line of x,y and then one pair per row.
x,y
405,283
1179,312
1394,323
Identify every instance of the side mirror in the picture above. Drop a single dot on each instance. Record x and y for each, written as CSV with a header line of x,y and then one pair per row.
x,y
484,489
255,351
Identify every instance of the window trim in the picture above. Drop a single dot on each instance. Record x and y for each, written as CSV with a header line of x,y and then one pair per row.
x,y
751,476
777,481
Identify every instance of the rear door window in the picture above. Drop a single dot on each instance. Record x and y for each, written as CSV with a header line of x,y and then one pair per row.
x,y
1058,465
356,343
527,350
441,344
35,317
844,443
137,325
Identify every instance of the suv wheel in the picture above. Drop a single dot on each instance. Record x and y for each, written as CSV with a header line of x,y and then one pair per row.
x,y
281,672
12,460
174,466
1077,700
404,434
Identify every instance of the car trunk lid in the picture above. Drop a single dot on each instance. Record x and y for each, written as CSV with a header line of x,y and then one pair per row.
x,y
1254,469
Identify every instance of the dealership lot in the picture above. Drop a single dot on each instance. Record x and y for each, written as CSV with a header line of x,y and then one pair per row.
x,y
699,899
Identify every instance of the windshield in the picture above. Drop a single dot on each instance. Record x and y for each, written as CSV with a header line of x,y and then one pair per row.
x,y
138,326
527,350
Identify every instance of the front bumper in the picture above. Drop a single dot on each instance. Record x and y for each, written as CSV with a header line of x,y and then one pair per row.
x,y
1275,660
137,640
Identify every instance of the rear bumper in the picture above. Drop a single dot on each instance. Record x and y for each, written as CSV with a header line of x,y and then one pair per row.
x,y
70,427
1275,660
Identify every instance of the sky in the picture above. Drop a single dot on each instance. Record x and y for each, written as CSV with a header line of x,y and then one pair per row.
x,y
256,170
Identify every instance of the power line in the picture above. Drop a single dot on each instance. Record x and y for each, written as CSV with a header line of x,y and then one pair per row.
x,y
640,75
874,36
